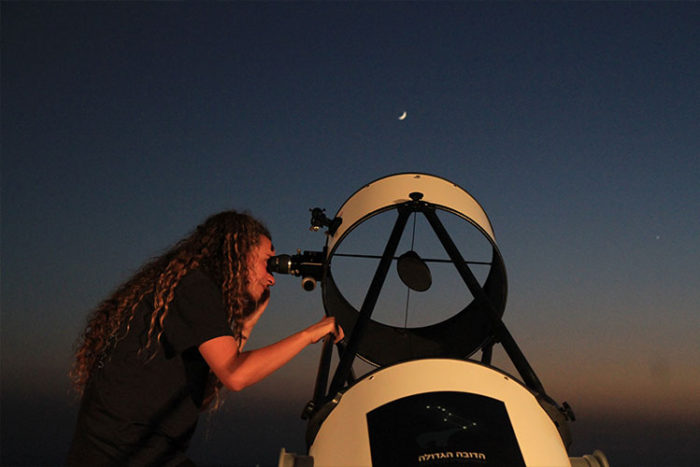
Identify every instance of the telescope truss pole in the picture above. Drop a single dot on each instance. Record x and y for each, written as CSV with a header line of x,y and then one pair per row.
x,y
345,365
499,328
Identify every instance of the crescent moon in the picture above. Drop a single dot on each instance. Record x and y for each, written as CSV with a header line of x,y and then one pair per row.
x,y
403,116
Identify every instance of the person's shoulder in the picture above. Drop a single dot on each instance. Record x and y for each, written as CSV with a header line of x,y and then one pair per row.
x,y
198,279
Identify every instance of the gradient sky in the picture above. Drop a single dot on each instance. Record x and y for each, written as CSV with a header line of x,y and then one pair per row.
x,y
575,125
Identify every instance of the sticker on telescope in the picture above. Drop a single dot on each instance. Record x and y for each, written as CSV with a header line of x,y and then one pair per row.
x,y
443,429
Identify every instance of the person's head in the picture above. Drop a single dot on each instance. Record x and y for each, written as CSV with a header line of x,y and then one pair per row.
x,y
232,248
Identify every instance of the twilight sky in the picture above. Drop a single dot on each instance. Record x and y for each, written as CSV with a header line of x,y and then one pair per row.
x,y
575,125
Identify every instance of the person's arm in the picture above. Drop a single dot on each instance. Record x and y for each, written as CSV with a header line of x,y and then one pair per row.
x,y
237,370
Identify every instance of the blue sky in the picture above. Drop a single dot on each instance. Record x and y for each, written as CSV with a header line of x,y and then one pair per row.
x,y
575,125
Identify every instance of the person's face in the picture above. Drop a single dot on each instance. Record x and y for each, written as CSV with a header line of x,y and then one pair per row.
x,y
259,279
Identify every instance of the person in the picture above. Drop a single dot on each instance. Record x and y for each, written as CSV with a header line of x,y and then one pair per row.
x,y
161,347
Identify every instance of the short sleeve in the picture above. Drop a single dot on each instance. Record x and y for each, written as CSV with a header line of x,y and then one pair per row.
x,y
196,314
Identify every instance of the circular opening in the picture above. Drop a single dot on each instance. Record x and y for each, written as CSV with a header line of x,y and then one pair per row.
x,y
443,320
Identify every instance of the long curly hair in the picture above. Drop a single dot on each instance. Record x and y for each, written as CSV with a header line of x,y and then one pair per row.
x,y
220,247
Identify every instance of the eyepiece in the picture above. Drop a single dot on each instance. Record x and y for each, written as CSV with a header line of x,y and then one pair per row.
x,y
281,264
308,265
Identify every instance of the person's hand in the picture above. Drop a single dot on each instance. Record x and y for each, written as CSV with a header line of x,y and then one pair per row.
x,y
324,327
250,322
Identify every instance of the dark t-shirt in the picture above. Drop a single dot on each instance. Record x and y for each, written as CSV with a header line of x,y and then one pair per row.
x,y
141,408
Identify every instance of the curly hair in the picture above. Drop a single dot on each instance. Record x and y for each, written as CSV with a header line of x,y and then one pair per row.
x,y
220,247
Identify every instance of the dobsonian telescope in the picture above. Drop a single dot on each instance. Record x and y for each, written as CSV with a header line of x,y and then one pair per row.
x,y
432,395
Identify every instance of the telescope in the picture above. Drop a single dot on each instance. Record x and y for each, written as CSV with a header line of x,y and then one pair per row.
x,y
423,334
